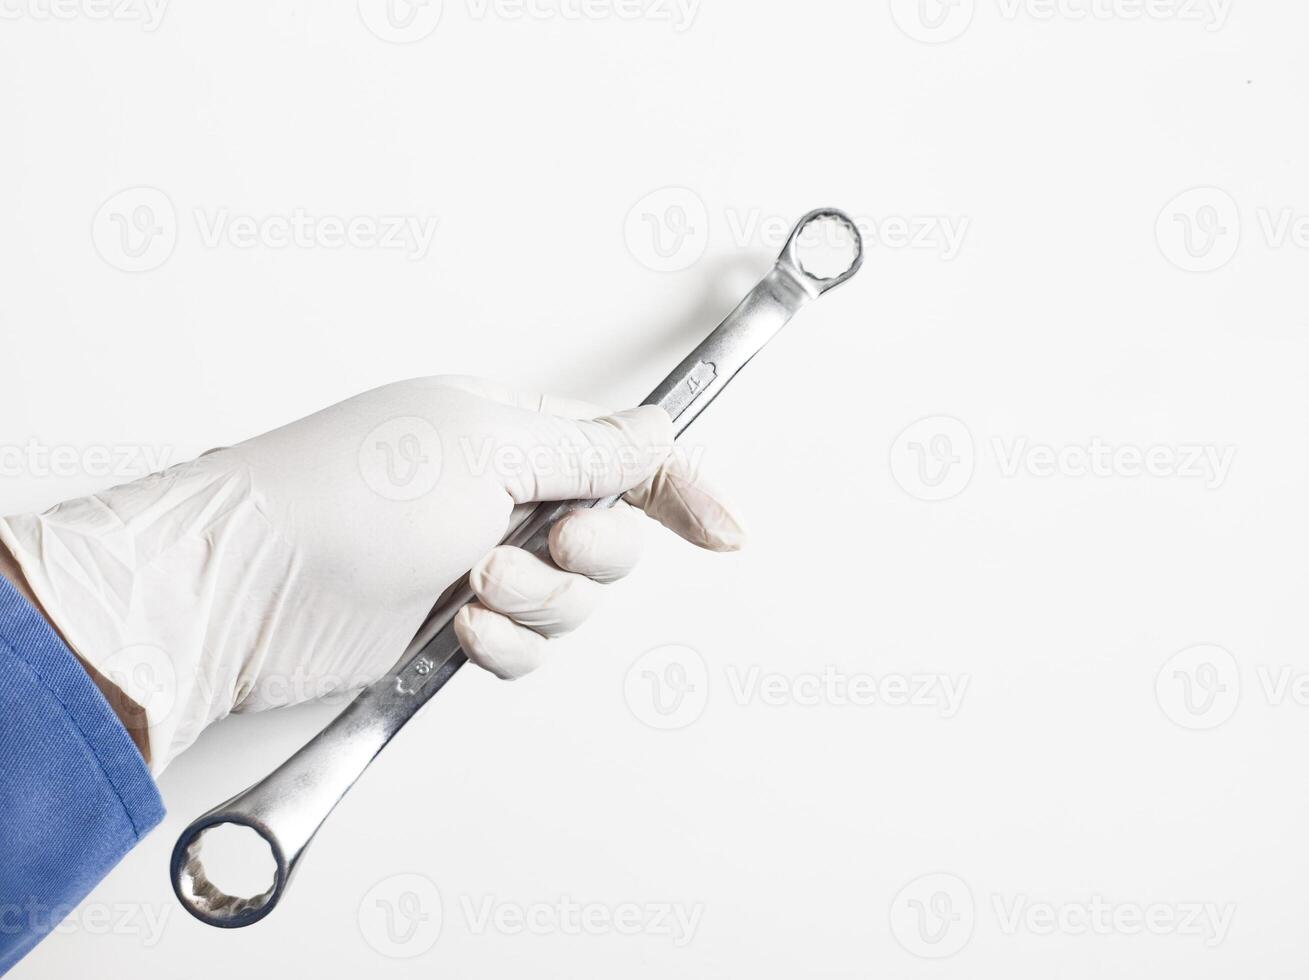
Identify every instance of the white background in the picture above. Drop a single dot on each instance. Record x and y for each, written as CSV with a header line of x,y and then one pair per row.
x,y
1086,306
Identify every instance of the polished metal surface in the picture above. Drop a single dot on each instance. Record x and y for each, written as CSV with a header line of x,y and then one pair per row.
x,y
289,805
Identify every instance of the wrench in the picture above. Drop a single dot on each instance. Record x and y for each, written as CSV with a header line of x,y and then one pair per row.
x,y
288,806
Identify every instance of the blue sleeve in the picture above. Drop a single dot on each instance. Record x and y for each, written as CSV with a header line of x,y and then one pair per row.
x,y
75,794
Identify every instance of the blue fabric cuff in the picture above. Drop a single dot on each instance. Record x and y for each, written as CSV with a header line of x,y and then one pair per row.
x,y
75,794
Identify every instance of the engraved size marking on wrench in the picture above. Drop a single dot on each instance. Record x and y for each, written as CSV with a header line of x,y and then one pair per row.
x,y
407,684
701,375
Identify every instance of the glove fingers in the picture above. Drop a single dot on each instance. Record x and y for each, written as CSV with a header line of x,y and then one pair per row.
x,y
534,594
683,501
498,644
603,545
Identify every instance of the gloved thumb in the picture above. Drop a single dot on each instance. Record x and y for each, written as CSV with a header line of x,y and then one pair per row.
x,y
553,458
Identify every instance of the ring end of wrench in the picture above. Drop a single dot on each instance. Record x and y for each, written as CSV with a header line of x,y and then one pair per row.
x,y
838,256
204,899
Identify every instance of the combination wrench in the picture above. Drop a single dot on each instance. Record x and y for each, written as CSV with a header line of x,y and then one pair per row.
x,y
288,806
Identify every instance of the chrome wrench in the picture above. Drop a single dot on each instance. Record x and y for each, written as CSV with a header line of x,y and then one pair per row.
x,y
288,806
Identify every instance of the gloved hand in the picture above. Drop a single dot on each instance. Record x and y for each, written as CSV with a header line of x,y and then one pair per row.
x,y
304,561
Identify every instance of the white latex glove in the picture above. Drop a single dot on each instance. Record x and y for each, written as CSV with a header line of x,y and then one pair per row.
x,y
305,560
